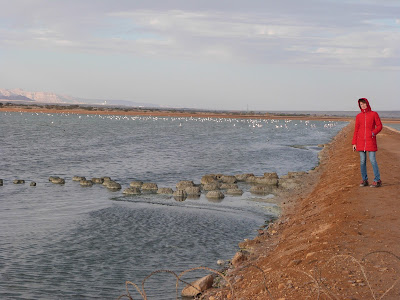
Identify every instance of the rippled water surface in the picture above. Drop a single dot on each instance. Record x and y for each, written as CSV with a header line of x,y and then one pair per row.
x,y
70,242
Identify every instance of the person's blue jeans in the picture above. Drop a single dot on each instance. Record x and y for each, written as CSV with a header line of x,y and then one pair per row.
x,y
363,165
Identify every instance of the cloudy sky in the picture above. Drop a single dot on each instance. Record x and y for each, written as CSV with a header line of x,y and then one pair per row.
x,y
225,54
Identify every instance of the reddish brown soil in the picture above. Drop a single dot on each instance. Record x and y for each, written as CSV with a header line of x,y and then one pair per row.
x,y
335,239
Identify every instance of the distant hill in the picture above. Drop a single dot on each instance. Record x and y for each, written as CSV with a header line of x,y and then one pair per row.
x,y
52,98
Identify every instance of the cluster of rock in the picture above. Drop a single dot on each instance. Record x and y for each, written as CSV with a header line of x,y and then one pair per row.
x,y
105,181
214,186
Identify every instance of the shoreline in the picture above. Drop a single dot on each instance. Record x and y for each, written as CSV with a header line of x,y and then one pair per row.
x,y
177,113
333,239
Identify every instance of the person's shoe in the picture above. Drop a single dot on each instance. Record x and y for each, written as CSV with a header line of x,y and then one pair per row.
x,y
376,183
364,183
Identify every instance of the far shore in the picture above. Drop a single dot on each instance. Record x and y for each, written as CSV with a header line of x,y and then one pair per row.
x,y
75,109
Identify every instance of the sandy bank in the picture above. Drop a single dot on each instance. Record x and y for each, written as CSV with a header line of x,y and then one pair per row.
x,y
334,240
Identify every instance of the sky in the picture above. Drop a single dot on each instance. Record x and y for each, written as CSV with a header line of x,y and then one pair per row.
x,y
258,55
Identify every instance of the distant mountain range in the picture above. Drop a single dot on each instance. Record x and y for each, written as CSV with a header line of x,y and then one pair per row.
x,y
20,95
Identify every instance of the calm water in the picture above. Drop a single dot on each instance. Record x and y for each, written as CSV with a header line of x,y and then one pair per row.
x,y
70,242
393,125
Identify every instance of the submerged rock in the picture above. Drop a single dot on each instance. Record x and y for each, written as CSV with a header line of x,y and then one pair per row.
x,y
261,190
106,180
271,175
208,179
132,191
149,187
181,185
78,178
113,185
289,183
266,180
228,179
243,177
98,180
136,184
56,180
227,186
180,195
215,195
86,183
250,179
234,192
19,181
165,191
193,190
211,186
294,174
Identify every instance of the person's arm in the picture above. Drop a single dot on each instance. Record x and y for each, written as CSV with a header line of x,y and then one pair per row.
x,y
378,125
354,141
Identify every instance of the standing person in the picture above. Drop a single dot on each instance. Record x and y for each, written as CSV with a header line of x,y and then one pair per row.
x,y
368,125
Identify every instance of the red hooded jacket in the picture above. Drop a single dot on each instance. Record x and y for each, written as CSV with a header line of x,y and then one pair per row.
x,y
368,125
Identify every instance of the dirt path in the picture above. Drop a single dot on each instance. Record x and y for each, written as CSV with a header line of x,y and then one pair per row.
x,y
335,240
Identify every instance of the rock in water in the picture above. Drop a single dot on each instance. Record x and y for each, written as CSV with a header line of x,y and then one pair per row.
x,y
86,183
132,191
228,179
211,186
208,179
181,185
113,186
193,190
98,180
227,186
136,184
261,190
215,195
57,180
149,187
234,192
180,195
18,181
266,180
165,191
243,177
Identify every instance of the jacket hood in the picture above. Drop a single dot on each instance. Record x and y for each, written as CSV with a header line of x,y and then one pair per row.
x,y
368,107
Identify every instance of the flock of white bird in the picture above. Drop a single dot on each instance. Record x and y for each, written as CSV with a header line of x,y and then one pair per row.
x,y
254,123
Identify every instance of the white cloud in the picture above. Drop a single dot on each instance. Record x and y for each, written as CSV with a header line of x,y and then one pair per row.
x,y
266,36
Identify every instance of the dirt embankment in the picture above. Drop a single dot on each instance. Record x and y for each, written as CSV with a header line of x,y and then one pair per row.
x,y
335,239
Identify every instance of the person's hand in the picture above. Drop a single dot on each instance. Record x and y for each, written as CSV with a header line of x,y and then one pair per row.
x,y
354,147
